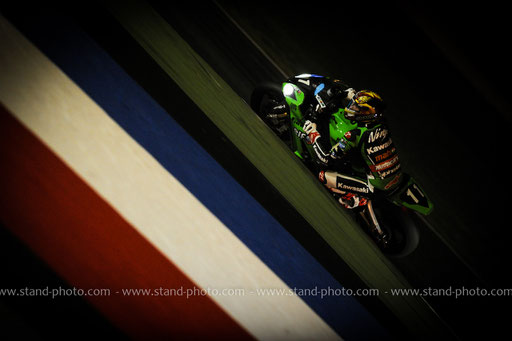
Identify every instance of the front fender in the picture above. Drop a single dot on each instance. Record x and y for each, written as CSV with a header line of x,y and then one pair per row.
x,y
411,195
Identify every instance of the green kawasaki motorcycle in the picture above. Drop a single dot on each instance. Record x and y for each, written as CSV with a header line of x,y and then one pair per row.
x,y
391,217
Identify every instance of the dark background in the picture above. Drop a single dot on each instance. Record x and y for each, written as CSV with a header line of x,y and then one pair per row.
x,y
444,71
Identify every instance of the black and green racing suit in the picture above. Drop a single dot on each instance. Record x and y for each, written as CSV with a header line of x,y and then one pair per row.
x,y
367,147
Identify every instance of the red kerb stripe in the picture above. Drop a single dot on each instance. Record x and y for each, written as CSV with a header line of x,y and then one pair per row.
x,y
90,245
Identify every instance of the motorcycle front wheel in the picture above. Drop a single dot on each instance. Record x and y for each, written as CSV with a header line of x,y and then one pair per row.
x,y
401,234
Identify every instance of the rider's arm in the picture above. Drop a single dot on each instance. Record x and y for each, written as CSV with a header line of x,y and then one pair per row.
x,y
340,149
328,101
348,142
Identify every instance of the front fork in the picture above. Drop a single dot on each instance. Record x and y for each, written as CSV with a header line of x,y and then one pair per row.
x,y
369,217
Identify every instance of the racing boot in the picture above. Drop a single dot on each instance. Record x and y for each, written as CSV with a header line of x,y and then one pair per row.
x,y
351,201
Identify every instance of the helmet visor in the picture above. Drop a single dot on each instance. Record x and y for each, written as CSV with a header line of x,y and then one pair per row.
x,y
356,112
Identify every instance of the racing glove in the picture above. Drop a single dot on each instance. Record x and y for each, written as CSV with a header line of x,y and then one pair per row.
x,y
350,93
311,132
312,137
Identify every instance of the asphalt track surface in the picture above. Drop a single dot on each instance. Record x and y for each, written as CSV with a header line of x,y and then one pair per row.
x,y
228,112
456,252
296,43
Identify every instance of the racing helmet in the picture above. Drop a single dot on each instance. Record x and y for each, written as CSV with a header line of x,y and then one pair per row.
x,y
366,107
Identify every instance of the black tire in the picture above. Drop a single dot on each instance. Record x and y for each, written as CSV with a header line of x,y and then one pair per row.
x,y
401,227
270,90
263,99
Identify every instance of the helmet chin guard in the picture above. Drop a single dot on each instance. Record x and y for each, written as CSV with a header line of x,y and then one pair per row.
x,y
366,106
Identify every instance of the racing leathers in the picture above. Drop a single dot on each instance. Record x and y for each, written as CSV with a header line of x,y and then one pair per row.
x,y
367,144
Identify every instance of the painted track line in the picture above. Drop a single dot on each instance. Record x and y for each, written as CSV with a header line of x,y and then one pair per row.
x,y
149,198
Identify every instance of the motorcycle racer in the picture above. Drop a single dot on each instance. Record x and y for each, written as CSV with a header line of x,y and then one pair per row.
x,y
365,140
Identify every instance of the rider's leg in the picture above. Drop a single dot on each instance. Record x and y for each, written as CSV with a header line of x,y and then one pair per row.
x,y
350,191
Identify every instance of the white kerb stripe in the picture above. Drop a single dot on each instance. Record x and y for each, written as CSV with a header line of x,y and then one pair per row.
x,y
49,104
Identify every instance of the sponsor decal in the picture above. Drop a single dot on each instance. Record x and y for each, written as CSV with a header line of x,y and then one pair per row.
x,y
384,165
346,187
375,149
389,172
320,101
300,134
321,177
321,155
393,182
385,155
352,187
377,134
351,135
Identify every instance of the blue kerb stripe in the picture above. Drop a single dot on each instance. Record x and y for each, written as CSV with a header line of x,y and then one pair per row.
x,y
152,127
